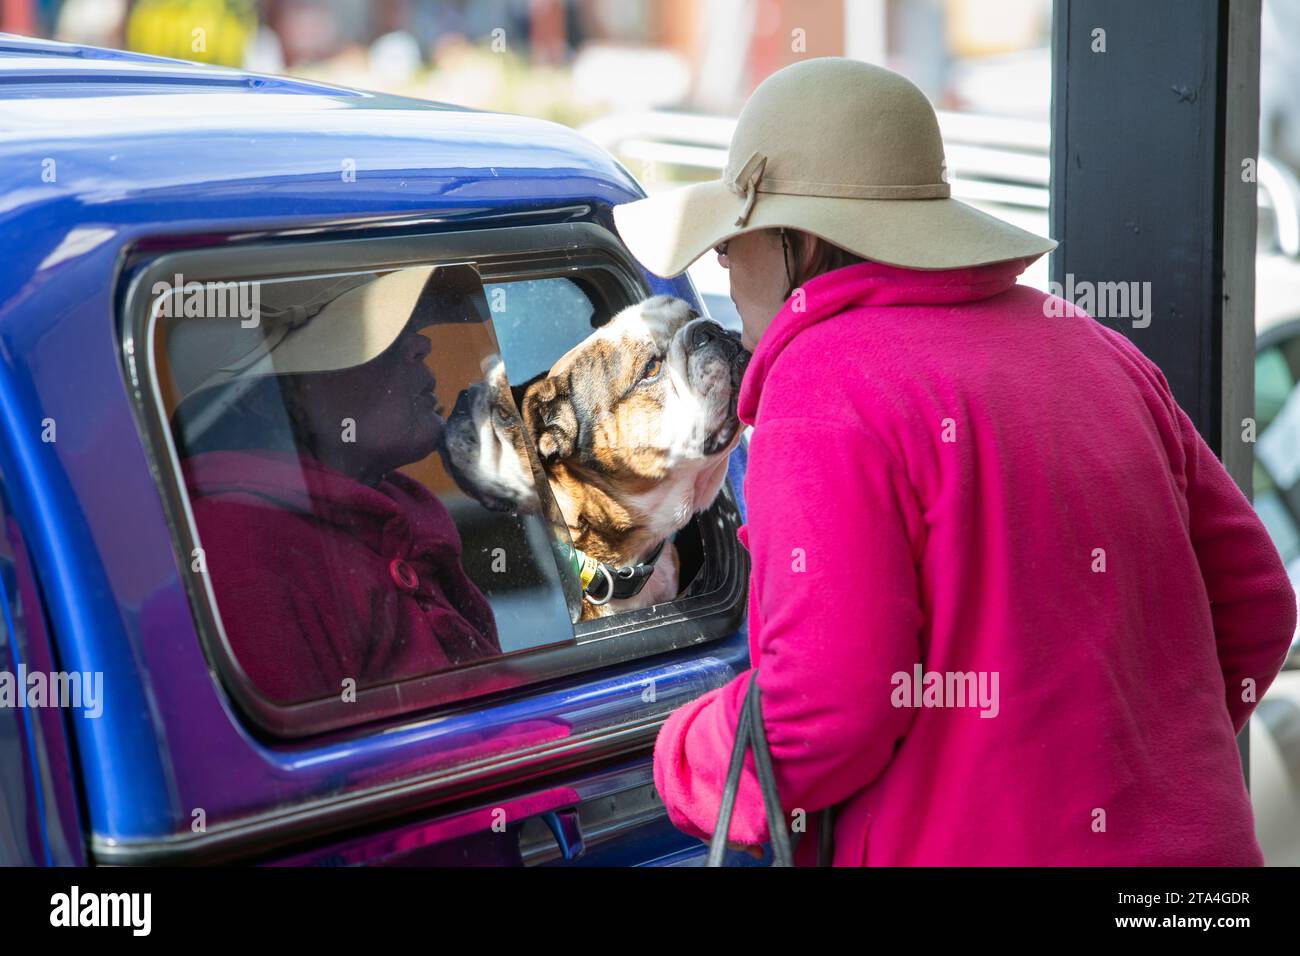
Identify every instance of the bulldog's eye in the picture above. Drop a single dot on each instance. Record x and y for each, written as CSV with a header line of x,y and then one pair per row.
x,y
652,369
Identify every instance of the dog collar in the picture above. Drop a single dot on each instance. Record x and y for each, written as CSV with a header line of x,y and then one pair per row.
x,y
602,582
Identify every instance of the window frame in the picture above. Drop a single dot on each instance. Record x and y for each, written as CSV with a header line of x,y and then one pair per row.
x,y
581,251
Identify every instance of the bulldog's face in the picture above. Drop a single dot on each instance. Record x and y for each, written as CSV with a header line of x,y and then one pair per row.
x,y
483,445
643,407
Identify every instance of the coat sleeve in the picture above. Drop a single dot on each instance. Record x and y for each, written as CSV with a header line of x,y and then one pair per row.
x,y
1251,599
831,532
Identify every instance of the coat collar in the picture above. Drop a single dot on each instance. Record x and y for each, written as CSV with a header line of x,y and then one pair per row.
x,y
866,284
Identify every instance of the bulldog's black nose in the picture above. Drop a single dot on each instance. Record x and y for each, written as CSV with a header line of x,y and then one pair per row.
x,y
703,334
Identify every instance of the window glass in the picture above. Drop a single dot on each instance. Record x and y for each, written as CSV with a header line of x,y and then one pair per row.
x,y
537,321
1273,383
1281,526
1277,447
320,424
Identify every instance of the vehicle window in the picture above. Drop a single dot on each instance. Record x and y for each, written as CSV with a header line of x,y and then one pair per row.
x,y
323,426
1277,448
333,544
537,321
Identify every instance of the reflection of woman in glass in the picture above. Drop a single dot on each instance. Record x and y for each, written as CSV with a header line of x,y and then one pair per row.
x,y
327,563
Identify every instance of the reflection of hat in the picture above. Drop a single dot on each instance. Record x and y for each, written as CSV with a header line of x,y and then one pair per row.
x,y
840,148
350,329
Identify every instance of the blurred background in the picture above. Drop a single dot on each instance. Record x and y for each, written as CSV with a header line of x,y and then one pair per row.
x,y
659,83
574,60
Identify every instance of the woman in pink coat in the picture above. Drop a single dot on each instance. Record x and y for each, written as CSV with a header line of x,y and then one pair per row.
x,y
1006,607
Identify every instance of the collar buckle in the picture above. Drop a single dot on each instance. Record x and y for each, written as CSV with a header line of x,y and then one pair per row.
x,y
620,582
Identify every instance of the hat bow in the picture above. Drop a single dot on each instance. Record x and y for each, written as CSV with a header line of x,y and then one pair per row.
x,y
745,183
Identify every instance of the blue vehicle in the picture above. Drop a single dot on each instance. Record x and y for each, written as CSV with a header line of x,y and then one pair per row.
x,y
120,171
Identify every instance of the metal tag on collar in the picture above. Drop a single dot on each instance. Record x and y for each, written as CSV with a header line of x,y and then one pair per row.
x,y
588,567
609,587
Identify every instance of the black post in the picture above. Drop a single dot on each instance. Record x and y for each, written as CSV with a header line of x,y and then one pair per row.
x,y
1155,112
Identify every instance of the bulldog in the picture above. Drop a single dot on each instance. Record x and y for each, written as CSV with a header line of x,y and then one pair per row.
x,y
483,444
632,428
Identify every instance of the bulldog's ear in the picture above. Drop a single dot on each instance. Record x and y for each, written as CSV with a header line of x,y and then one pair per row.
x,y
550,418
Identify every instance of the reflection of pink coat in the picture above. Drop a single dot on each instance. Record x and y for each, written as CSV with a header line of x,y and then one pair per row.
x,y
940,474
319,578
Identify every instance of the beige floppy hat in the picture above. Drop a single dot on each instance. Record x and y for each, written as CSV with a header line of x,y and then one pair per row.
x,y
843,149
349,322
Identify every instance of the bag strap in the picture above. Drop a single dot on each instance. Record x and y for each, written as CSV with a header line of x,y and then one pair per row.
x,y
750,725
777,826
718,843
826,836
771,797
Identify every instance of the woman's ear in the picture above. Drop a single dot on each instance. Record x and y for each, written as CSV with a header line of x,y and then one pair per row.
x,y
550,419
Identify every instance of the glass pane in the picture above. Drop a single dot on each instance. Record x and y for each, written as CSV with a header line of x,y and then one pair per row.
x,y
1281,526
1277,449
1273,383
537,321
1278,445
312,419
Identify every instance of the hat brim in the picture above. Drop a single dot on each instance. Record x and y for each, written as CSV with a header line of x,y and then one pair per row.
x,y
668,231
353,328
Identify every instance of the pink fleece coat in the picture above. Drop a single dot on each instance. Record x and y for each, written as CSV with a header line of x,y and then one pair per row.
x,y
944,479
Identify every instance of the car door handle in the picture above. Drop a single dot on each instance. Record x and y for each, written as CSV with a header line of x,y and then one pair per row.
x,y
567,830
